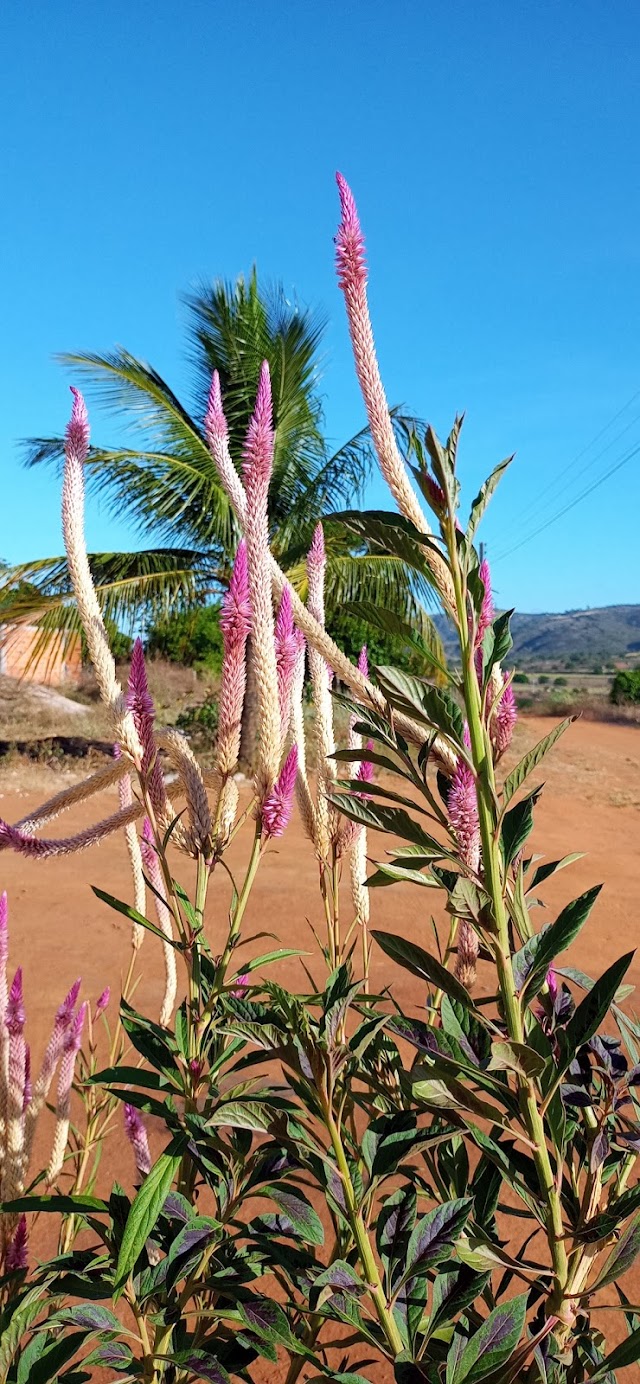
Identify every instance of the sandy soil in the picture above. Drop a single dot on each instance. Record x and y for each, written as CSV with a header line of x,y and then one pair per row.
x,y
59,930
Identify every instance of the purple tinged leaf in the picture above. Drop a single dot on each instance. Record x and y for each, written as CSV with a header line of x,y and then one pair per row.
x,y
491,1346
434,1235
622,1255
205,1366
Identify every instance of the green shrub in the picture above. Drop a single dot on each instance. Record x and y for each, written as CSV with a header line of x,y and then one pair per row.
x,y
560,682
190,637
522,679
203,717
625,687
543,680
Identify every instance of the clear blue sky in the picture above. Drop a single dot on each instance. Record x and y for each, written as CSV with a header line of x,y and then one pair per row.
x,y
492,148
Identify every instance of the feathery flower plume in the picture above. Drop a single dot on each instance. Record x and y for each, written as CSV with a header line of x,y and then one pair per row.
x,y
137,1136
140,704
288,641
316,569
486,610
70,1050
360,894
463,815
277,806
42,849
256,469
76,451
27,1088
15,1021
217,433
52,1054
198,838
4,1041
315,635
152,867
125,797
240,986
4,952
235,623
503,720
552,984
352,278
17,1252
303,792
462,806
102,1001
68,797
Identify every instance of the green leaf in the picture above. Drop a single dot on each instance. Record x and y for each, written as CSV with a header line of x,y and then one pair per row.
x,y
622,1256
516,1057
43,1358
268,1321
434,1235
484,495
625,1354
386,873
556,938
517,825
143,1215
296,1208
393,820
423,965
595,1005
532,758
22,1313
64,1206
134,916
430,705
491,1346
243,1114
496,643
551,867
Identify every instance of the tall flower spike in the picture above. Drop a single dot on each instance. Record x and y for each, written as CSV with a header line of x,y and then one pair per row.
x,y
137,1136
71,1048
52,1055
504,719
43,848
235,623
17,1252
4,953
463,814
287,646
303,791
125,797
215,426
152,867
352,278
486,609
15,1021
257,465
316,636
140,704
197,840
316,569
277,807
76,451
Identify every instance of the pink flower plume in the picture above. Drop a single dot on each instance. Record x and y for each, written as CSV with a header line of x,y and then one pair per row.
x,y
17,1252
15,1015
258,450
77,433
103,1001
463,814
240,986
27,1092
137,1136
486,610
140,703
350,248
235,616
316,557
278,805
503,720
363,661
365,769
288,641
214,421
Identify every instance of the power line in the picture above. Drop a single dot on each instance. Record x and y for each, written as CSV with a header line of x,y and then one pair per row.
x,y
551,488
589,491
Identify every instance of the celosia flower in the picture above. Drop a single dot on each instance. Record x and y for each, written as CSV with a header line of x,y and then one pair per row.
x,y
215,425
364,772
235,623
350,248
277,807
486,610
152,867
503,720
52,1054
43,848
4,953
468,949
17,1252
27,1089
15,1015
240,986
102,1001
137,1136
462,806
71,1047
140,704
256,468
288,641
552,984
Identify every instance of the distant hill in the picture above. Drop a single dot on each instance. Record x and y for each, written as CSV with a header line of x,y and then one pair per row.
x,y
608,632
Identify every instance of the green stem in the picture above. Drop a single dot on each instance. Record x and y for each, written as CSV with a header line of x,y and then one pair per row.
x,y
243,899
361,1237
493,880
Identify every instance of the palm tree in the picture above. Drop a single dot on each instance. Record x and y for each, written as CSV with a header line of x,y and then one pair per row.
x,y
161,475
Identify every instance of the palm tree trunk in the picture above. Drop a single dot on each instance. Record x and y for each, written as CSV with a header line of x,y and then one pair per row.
x,y
250,718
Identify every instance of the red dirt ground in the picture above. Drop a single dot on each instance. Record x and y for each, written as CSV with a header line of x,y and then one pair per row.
x,y
59,930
